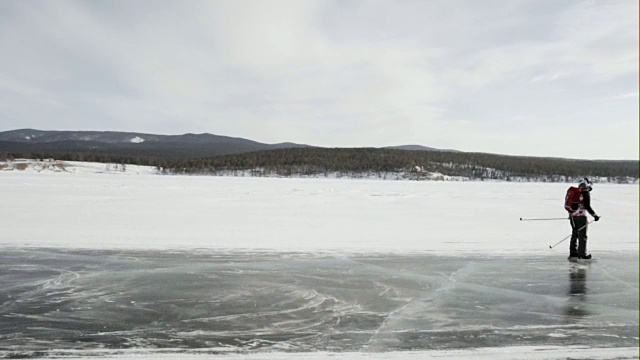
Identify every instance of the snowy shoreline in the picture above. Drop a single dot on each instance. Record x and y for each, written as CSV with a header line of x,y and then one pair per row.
x,y
499,353
58,166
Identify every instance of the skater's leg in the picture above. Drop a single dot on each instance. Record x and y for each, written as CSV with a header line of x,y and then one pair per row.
x,y
573,252
581,225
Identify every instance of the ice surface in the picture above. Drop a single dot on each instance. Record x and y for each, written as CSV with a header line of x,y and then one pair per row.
x,y
151,266
196,301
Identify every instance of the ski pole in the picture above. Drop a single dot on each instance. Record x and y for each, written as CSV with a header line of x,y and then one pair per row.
x,y
556,244
538,219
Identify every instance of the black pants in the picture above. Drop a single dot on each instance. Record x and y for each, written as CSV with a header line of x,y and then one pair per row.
x,y
578,235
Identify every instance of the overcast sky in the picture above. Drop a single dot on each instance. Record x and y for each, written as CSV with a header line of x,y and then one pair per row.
x,y
540,78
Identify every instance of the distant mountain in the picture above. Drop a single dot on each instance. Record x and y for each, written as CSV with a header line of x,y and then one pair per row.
x,y
410,147
210,154
415,148
130,144
32,136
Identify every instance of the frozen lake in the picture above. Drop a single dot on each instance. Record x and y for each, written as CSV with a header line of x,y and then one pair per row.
x,y
57,302
147,265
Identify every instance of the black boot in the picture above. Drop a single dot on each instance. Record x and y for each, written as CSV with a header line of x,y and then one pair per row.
x,y
586,257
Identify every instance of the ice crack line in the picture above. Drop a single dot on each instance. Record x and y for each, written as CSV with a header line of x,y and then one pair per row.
x,y
386,320
65,278
449,282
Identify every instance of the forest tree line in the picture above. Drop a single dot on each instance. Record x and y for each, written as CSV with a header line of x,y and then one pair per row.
x,y
318,161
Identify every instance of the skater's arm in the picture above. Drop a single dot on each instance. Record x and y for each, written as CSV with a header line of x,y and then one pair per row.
x,y
586,203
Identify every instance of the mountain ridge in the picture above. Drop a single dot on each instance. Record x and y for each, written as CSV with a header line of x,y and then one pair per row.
x,y
214,154
195,144
40,136
124,143
35,136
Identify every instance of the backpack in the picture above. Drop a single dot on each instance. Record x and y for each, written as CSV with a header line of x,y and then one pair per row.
x,y
572,199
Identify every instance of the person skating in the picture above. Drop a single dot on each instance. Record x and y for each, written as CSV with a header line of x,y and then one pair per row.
x,y
578,204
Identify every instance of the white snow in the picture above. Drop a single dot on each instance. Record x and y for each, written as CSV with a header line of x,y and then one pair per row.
x,y
88,206
83,208
137,140
57,166
499,353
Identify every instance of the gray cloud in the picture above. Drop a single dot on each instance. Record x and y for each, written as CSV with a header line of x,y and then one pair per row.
x,y
550,78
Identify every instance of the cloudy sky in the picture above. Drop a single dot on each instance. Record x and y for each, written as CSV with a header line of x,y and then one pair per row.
x,y
540,78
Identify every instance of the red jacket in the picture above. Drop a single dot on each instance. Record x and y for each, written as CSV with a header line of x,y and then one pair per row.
x,y
583,203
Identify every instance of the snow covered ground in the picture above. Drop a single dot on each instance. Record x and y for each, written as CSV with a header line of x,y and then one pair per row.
x,y
75,167
90,207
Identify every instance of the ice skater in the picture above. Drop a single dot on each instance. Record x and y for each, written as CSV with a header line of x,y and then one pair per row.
x,y
578,202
